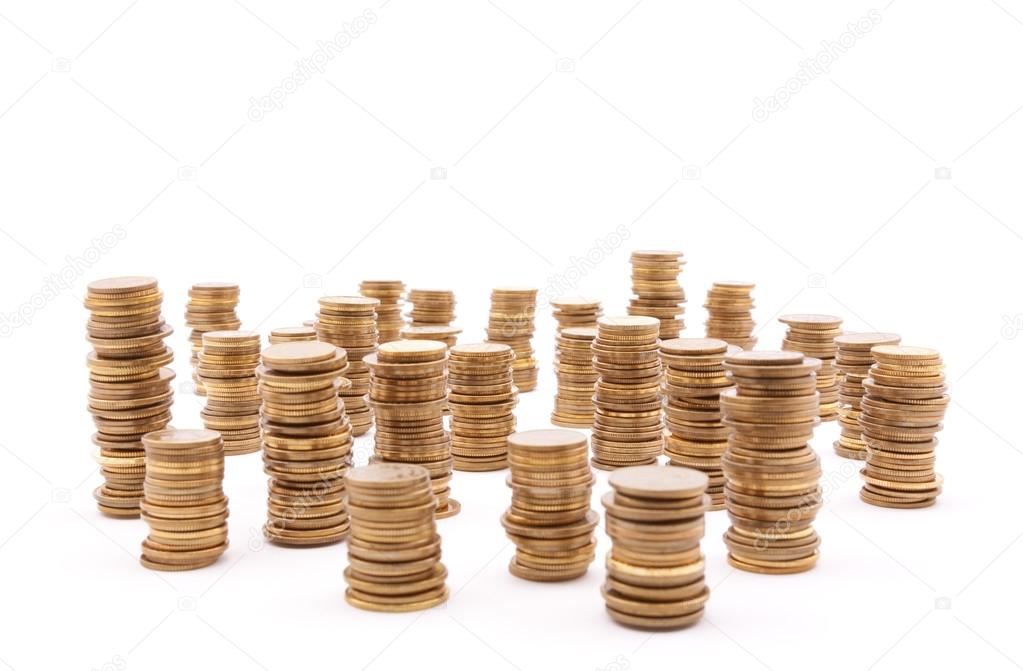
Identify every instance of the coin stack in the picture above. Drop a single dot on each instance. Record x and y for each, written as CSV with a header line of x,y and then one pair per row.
x,y
130,390
292,333
627,427
307,442
445,334
482,398
184,503
654,516
512,310
853,361
901,411
657,289
729,307
771,489
408,391
576,312
814,336
394,549
431,307
349,322
694,377
573,365
211,307
227,368
388,311
550,519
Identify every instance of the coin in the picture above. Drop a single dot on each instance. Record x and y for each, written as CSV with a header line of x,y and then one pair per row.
x,y
511,322
814,336
478,435
227,369
388,311
349,322
211,306
576,312
729,305
431,307
656,289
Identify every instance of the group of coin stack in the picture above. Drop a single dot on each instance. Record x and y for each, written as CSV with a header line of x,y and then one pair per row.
x,y
388,310
654,516
349,322
184,503
573,365
853,361
576,312
694,377
814,336
657,289
627,426
211,307
408,391
482,398
550,519
130,390
772,489
307,442
431,307
512,313
902,409
227,369
292,334
729,307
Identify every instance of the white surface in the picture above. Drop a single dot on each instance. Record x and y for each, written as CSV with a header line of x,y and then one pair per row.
x,y
540,164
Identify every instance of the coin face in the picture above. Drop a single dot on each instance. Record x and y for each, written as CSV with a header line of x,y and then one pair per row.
x,y
120,285
553,439
298,352
694,346
811,320
659,481
875,338
629,322
181,437
765,358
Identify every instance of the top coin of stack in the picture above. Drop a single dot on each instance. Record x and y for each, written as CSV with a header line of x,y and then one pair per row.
x,y
729,305
482,398
227,368
445,334
211,307
576,312
390,294
349,322
512,311
292,333
814,336
573,365
657,289
431,306
854,360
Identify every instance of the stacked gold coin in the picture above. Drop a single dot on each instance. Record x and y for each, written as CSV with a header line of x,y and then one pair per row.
x,y
184,503
408,391
512,310
576,312
654,516
482,398
573,365
227,369
292,333
431,307
394,549
388,311
211,307
445,334
900,415
694,377
307,442
814,336
853,361
349,322
550,519
627,427
772,473
729,307
657,289
129,386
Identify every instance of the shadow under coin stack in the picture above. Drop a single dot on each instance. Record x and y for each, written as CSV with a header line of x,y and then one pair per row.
x,y
394,549
576,312
512,311
627,426
408,391
772,490
211,307
227,369
184,505
573,366
657,289
550,519
902,409
307,442
130,390
654,517
694,377
388,311
292,334
482,398
729,305
349,322
431,307
814,336
854,360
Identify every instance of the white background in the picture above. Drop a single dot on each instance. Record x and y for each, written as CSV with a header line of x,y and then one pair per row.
x,y
886,192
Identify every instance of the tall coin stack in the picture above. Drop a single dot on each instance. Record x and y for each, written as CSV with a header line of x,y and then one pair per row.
x,y
576,312
627,427
482,398
184,504
854,360
388,311
292,333
211,307
130,390
573,365
654,516
729,307
772,491
657,289
431,307
307,442
394,549
901,414
349,322
814,336
227,369
512,311
550,519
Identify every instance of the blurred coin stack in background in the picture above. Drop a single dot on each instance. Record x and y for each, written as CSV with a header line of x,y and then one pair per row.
x,y
388,310
657,290
227,369
211,307
349,322
577,379
729,306
814,336
854,361
482,398
576,312
512,314
431,307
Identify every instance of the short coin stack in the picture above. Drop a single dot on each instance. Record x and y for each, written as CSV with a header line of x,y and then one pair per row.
x,y
657,289
627,427
349,322
307,442
130,390
292,333
431,307
445,334
772,491
854,360
408,391
902,409
729,305
654,516
512,311
573,365
576,312
394,549
550,519
694,377
482,398
227,368
184,504
388,311
814,336
211,307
